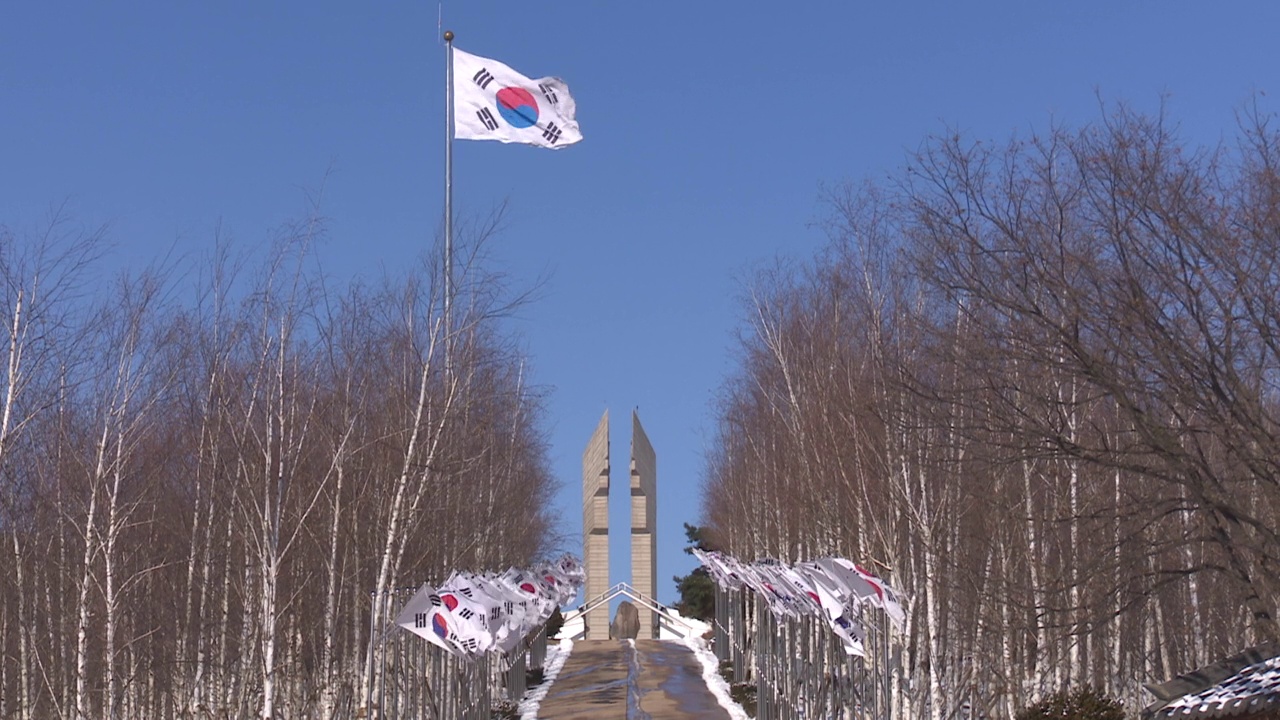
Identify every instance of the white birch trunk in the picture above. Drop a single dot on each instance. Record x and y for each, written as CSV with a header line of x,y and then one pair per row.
x,y
328,662
224,625
238,680
91,543
1117,634
1078,638
391,536
82,626
933,623
1012,700
109,615
110,581
200,696
5,695
273,496
1162,642
25,709
12,382
1035,663
1193,589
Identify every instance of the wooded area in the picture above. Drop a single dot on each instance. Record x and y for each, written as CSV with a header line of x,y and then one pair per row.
x,y
1034,384
208,469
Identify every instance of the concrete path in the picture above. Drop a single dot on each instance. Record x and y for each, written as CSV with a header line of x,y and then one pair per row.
x,y
608,680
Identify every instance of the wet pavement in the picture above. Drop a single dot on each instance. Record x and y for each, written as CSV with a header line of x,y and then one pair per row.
x,y
610,680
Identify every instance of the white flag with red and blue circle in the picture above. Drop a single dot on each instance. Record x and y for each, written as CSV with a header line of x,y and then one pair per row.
x,y
493,102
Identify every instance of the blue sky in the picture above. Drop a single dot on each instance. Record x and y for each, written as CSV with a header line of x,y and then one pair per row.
x,y
710,128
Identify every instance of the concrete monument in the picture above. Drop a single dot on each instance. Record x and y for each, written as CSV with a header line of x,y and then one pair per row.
x,y
595,527
644,506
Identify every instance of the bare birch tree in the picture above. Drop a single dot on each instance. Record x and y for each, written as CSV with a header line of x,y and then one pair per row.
x,y
1050,360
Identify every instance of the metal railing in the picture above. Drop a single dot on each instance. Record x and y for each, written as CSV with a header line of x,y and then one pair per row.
x,y
798,667
674,623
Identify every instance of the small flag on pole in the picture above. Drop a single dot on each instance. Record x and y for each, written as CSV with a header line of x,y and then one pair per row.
x,y
493,102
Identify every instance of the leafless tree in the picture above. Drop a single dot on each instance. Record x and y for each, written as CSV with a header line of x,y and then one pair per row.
x,y
1036,381
201,482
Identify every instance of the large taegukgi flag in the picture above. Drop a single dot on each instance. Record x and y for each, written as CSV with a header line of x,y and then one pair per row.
x,y
840,616
866,587
513,620
540,595
471,614
444,619
493,102
569,567
722,567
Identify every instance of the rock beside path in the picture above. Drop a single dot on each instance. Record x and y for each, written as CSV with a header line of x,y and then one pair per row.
x,y
626,622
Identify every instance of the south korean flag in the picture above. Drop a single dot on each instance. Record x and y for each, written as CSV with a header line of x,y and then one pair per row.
x,y
425,617
467,620
493,102
508,623
539,595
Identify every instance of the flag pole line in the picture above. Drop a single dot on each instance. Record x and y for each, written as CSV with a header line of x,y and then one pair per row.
x,y
448,197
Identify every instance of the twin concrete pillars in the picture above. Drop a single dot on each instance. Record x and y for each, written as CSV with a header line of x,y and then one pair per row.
x,y
595,527
595,524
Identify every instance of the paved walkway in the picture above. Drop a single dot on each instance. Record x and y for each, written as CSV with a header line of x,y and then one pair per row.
x,y
608,680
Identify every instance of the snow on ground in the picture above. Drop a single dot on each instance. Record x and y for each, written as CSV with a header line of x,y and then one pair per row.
x,y
574,625
711,675
680,626
556,657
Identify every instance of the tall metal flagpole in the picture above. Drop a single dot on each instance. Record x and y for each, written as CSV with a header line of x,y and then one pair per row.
x,y
448,194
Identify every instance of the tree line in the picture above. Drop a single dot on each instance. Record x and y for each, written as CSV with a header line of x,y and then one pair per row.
x,y
1035,383
209,469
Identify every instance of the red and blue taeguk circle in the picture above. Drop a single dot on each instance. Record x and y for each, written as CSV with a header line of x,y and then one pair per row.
x,y
440,627
517,107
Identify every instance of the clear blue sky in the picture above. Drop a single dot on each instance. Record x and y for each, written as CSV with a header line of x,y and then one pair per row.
x,y
709,128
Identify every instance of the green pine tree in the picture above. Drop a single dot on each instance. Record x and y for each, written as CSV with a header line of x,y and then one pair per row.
x,y
697,590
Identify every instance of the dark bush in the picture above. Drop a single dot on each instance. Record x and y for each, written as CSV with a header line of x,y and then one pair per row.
x,y
1083,704
554,623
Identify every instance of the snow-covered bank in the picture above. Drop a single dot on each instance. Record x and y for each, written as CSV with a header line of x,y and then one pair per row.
x,y
556,657
711,676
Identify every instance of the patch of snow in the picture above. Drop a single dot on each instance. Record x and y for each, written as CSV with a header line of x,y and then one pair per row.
x,y
556,657
711,675
681,627
575,624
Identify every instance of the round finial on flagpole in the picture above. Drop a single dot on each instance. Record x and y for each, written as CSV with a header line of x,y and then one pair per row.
x,y
448,36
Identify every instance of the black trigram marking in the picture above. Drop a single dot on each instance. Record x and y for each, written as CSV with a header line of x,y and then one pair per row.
x,y
487,118
469,644
552,133
465,614
483,78
420,620
435,600
466,591
494,614
550,93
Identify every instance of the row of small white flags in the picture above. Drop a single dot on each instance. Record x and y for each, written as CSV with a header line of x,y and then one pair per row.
x,y
833,589
471,614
